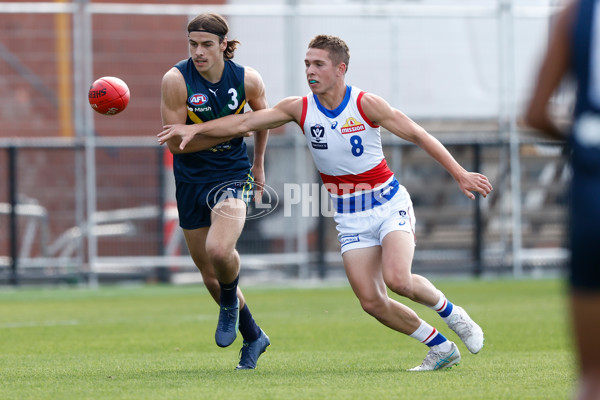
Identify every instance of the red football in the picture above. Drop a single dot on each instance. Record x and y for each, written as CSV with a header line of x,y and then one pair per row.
x,y
108,95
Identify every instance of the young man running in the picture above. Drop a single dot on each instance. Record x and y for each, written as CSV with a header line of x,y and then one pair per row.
x,y
214,176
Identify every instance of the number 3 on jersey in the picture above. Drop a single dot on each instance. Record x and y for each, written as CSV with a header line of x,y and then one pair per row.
x,y
357,147
233,94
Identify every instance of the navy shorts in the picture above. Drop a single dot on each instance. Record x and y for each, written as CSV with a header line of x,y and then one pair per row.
x,y
195,201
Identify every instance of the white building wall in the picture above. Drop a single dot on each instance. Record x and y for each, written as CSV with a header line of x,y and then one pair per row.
x,y
429,67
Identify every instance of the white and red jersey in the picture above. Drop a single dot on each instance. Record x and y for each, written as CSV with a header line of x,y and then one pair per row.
x,y
346,148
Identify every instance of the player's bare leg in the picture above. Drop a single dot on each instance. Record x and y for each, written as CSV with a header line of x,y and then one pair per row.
x,y
364,271
227,222
196,244
363,268
253,336
398,250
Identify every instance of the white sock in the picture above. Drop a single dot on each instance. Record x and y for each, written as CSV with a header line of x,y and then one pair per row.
x,y
443,307
430,336
439,306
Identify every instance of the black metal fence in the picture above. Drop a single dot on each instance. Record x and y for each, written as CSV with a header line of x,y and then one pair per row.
x,y
44,212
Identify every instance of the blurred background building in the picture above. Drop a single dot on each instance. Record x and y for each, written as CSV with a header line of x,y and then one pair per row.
x,y
89,198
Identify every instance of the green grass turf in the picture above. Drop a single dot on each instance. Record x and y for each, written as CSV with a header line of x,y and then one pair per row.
x,y
157,342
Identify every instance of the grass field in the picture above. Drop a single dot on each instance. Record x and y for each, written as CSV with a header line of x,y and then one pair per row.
x,y
157,342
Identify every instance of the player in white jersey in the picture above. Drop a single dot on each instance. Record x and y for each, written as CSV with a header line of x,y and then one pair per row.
x,y
374,212
361,185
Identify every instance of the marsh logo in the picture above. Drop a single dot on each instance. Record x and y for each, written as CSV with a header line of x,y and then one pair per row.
x,y
317,136
219,200
198,99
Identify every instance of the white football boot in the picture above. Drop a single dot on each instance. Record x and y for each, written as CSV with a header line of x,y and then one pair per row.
x,y
437,359
466,329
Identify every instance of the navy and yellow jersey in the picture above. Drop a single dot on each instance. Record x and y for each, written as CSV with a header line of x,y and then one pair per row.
x,y
207,101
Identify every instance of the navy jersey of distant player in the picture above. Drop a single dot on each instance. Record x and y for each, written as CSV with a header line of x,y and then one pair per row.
x,y
585,144
207,101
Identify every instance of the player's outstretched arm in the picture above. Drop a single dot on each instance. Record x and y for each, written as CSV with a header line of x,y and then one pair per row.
x,y
381,113
287,110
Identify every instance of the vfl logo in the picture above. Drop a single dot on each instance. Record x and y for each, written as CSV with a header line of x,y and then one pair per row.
x,y
317,137
352,126
198,99
403,216
317,132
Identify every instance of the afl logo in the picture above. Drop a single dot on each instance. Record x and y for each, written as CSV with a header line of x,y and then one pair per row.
x,y
198,99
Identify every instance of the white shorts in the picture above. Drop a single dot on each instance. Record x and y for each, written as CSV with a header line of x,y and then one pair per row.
x,y
368,228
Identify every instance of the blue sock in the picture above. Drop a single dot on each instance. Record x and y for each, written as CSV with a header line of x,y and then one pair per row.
x,y
248,328
437,339
446,311
229,292
443,307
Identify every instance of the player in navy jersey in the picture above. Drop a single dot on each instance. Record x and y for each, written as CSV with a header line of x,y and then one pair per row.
x,y
374,214
574,49
214,177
